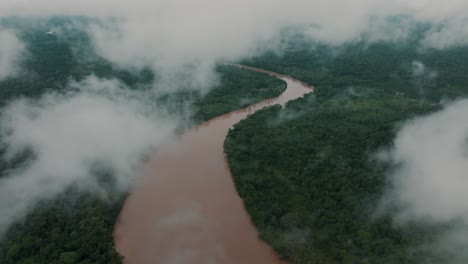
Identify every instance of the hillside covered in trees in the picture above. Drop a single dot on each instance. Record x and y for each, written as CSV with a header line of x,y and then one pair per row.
x,y
308,181
401,67
308,175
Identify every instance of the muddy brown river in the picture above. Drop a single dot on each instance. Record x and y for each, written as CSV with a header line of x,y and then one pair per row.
x,y
185,208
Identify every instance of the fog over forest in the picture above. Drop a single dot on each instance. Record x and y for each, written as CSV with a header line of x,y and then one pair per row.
x,y
99,122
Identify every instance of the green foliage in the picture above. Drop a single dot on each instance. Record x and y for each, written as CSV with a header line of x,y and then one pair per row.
x,y
309,183
305,172
73,228
384,66
237,89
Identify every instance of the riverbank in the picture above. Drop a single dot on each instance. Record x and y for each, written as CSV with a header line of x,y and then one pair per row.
x,y
186,208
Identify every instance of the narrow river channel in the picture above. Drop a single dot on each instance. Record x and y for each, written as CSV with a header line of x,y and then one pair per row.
x,y
185,208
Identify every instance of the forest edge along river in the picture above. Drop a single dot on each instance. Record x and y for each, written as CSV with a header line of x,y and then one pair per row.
x,y
185,207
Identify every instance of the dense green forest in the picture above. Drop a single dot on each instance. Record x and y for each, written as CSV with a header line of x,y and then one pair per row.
x,y
306,173
77,227
73,228
309,184
404,68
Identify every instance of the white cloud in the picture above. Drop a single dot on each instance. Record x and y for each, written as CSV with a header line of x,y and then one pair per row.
x,y
429,184
451,33
11,49
419,70
432,157
99,123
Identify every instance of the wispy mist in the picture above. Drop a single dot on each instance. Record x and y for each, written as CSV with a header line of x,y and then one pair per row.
x,y
97,124
168,35
429,181
11,50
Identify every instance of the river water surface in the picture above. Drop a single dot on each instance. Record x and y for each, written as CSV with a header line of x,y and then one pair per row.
x,y
185,208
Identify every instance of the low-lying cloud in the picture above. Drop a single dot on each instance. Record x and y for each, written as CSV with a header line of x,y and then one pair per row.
x,y
170,35
429,182
450,33
11,50
419,70
97,123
